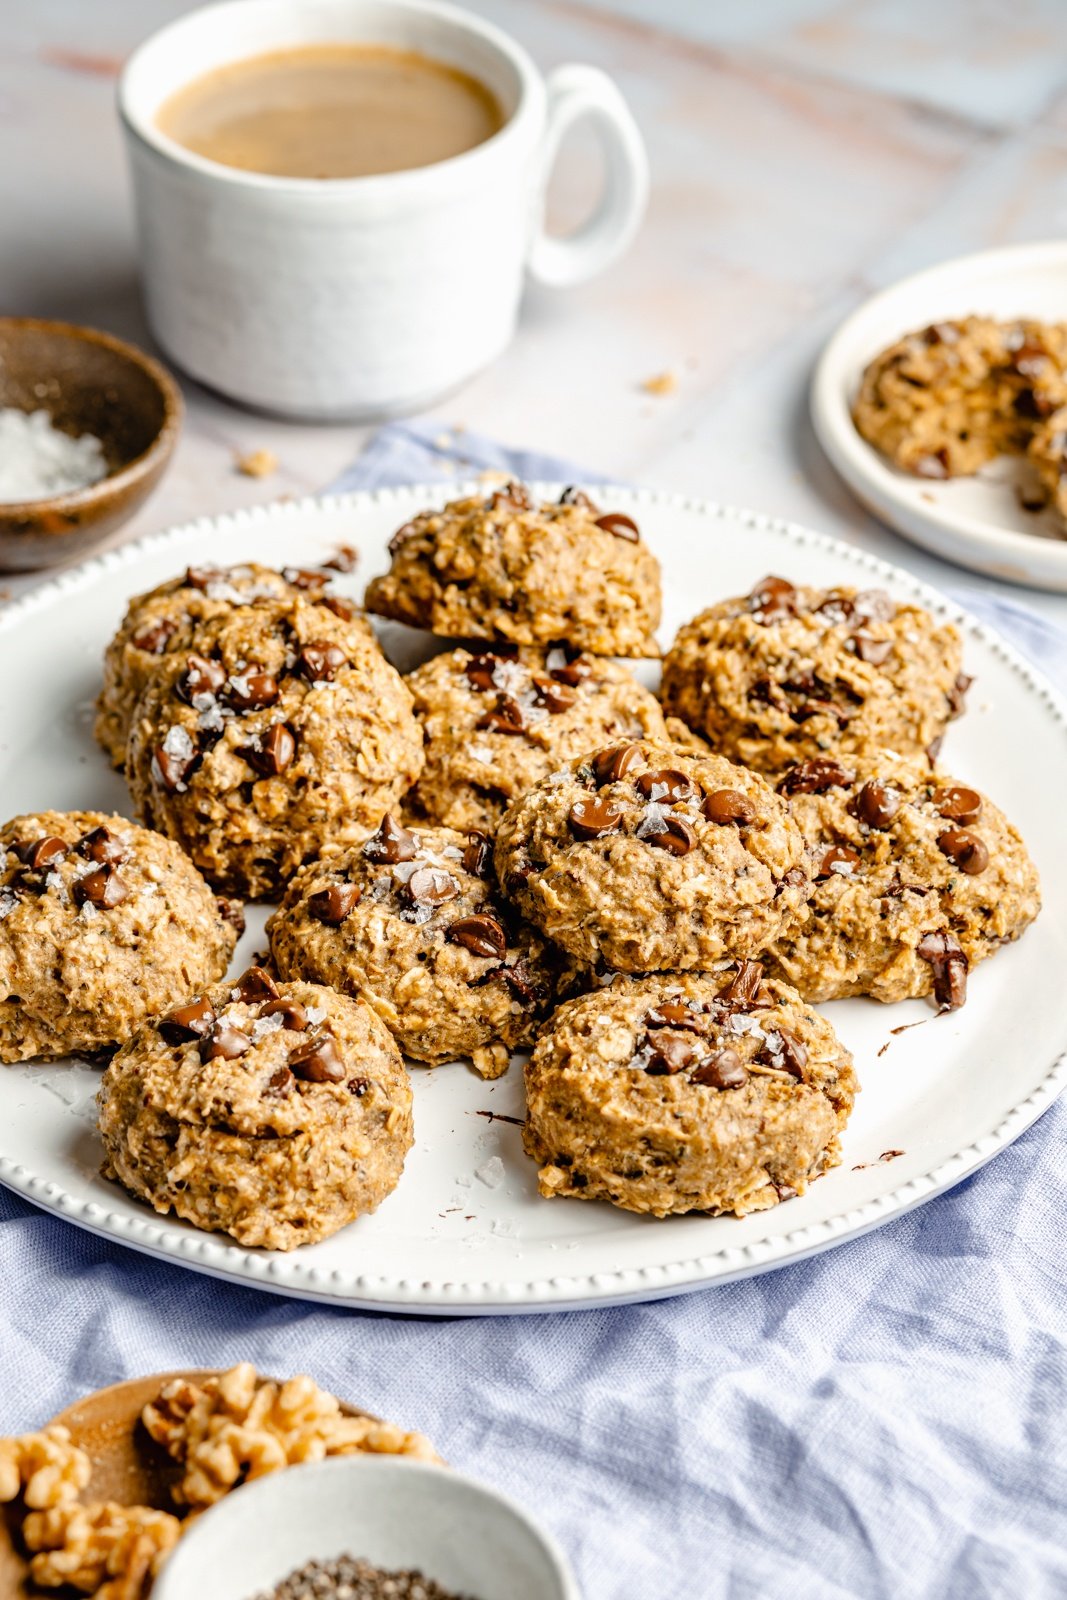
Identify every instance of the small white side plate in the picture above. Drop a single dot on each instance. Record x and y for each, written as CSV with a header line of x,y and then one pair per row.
x,y
465,1233
977,521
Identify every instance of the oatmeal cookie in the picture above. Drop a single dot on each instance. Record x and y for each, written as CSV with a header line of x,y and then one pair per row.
x,y
503,567
284,727
917,878
946,400
785,674
275,1112
495,723
710,1092
646,858
101,924
412,922
163,621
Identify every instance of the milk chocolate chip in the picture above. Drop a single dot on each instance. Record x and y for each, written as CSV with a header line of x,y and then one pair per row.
x,y
320,661
102,888
958,804
254,985
773,599
666,786
741,990
273,753
224,1043
317,1061
481,935
553,695
945,955
618,523
252,690
815,777
840,861
670,1052
506,717
615,762
729,807
154,639
333,904
672,1014
102,846
201,676
723,1070
41,854
293,1015
674,835
431,886
476,854
965,849
392,843
191,1021
593,818
877,803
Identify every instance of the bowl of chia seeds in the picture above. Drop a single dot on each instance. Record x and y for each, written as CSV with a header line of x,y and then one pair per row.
x,y
88,424
366,1528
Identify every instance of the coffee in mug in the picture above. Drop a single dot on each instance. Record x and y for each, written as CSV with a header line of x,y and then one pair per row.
x,y
332,111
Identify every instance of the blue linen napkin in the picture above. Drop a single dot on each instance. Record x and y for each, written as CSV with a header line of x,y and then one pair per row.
x,y
882,1421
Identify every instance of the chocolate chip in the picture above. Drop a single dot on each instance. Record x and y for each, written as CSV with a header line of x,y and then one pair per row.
x,y
674,835
520,981
341,606
304,578
673,786
836,608
958,804
773,599
795,878
480,670
154,639
346,559
293,1015
1030,361
783,1050
965,849
431,886
403,534
670,1052
877,803
723,1070
741,990
391,843
672,1014
191,1021
273,753
815,777
554,696
102,846
281,1083
102,888
333,904
612,764
476,854
482,936
873,651
512,497
173,769
572,496
506,717
201,676
224,1043
592,818
839,862
255,985
202,577
40,854
571,671
252,690
729,807
956,696
233,912
358,1087
618,523
320,661
949,963
317,1061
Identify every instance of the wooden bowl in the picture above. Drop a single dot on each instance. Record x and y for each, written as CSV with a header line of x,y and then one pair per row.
x,y
89,382
128,1466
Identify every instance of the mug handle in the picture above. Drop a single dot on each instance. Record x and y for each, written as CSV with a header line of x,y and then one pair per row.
x,y
575,92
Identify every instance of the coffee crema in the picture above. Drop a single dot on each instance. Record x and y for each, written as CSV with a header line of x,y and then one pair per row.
x,y
331,111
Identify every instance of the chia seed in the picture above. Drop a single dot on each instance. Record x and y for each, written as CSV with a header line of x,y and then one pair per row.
x,y
347,1578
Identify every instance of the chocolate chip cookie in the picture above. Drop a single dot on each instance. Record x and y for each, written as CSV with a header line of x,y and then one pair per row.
x,y
787,674
649,858
502,567
497,721
917,878
284,727
101,923
162,622
709,1092
412,923
944,401
275,1112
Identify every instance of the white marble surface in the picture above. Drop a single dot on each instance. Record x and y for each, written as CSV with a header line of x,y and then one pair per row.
x,y
803,153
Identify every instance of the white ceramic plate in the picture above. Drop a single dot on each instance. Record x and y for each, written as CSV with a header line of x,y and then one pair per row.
x,y
463,1233
977,521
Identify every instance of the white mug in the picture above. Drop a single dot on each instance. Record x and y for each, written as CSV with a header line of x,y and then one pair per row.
x,y
362,297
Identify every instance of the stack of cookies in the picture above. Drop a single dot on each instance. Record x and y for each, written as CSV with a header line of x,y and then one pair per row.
x,y
517,847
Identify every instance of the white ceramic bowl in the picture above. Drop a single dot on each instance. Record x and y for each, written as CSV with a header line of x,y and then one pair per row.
x,y
396,1514
978,521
